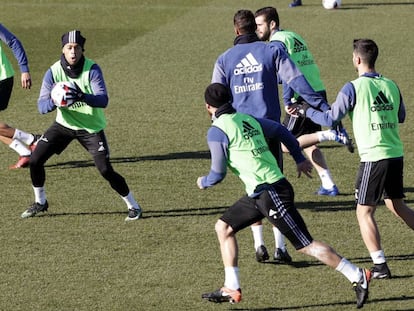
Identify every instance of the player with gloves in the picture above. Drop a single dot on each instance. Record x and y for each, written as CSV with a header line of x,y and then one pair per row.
x,y
82,118
75,94
65,94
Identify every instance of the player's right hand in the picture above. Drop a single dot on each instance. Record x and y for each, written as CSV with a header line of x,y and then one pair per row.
x,y
292,110
304,167
26,80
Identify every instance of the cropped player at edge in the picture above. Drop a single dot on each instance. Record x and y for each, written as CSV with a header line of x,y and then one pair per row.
x,y
376,108
21,142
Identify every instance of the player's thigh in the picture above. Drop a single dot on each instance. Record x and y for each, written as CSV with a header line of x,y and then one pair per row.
x,y
95,143
299,126
97,146
310,127
277,204
394,184
53,141
369,185
242,214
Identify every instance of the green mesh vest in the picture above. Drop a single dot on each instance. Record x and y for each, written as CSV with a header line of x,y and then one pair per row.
x,y
79,116
301,56
6,69
248,153
375,119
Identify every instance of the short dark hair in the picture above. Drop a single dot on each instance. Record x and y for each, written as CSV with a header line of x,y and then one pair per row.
x,y
367,49
270,14
244,21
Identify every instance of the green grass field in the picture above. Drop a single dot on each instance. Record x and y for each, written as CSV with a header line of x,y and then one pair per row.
x,y
157,58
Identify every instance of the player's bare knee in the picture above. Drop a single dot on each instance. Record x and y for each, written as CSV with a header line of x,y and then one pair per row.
x,y
222,229
315,249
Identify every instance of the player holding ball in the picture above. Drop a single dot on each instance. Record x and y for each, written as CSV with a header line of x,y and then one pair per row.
x,y
81,118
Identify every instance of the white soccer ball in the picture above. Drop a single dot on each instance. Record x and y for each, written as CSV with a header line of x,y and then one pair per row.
x,y
58,94
331,4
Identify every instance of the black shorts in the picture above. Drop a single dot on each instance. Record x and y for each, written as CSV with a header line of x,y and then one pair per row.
x,y
57,138
275,202
6,87
299,126
377,179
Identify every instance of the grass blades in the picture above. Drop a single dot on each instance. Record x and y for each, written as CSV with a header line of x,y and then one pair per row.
x,y
157,58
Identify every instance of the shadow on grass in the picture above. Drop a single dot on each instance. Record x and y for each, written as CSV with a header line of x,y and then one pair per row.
x,y
165,157
202,211
328,305
378,3
208,211
203,154
215,210
363,5
334,206
356,260
330,206
390,258
409,189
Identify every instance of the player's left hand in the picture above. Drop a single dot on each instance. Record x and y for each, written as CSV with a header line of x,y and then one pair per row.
x,y
304,167
75,94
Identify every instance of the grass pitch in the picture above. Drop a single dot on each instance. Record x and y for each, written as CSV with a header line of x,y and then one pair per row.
x,y
157,58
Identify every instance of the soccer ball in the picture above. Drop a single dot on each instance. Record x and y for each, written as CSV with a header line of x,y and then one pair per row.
x,y
59,92
331,4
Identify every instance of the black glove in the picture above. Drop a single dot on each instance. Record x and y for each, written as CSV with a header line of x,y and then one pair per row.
x,y
75,94
302,107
